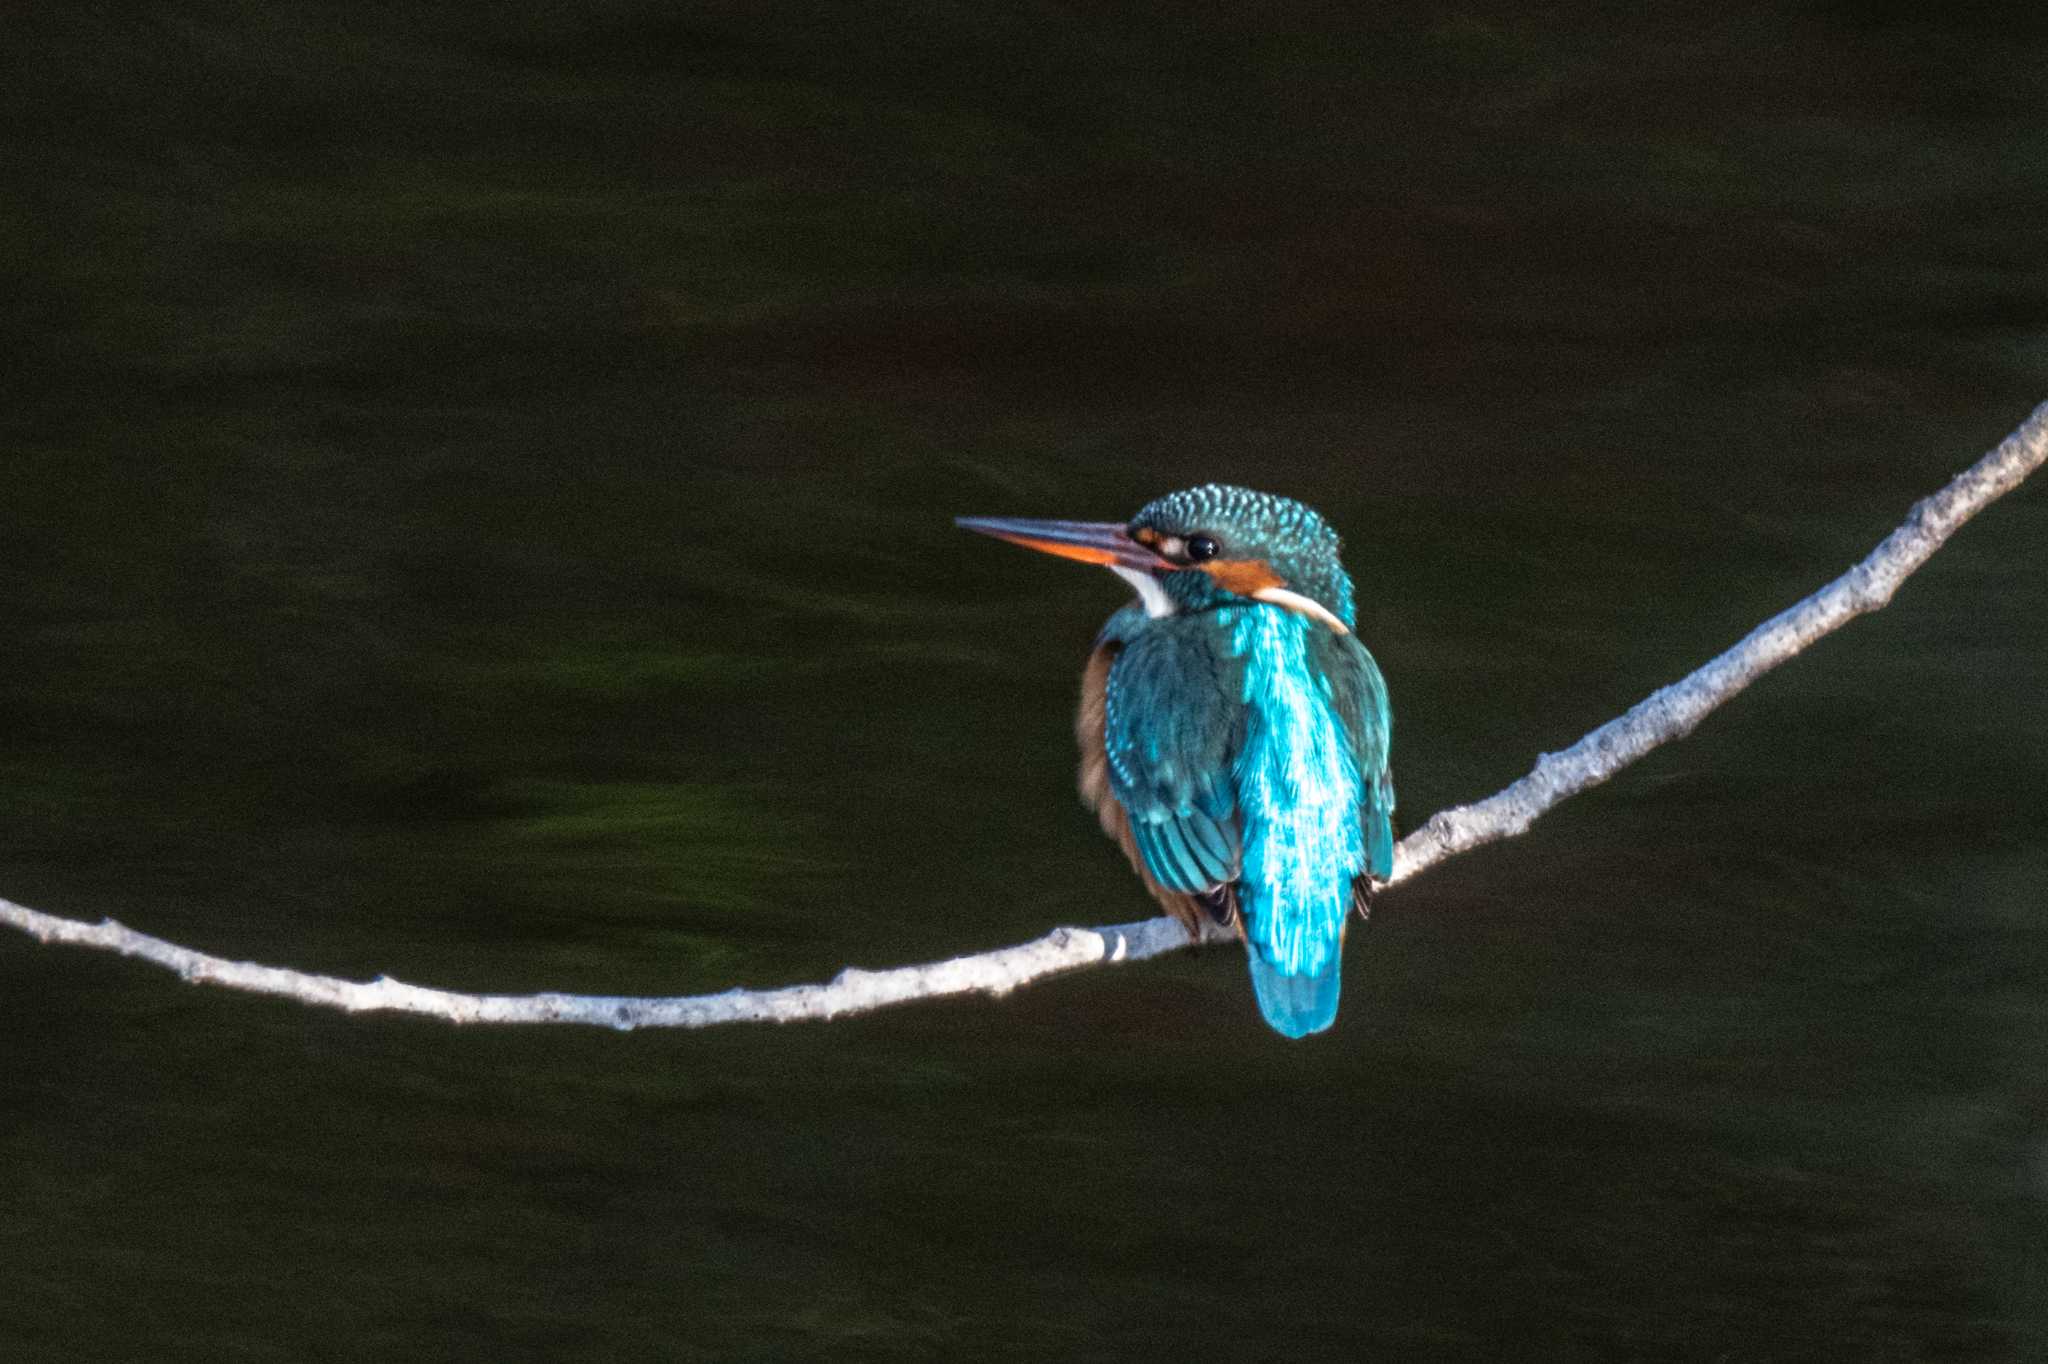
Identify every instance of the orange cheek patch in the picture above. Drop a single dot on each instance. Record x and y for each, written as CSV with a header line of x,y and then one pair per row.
x,y
1242,576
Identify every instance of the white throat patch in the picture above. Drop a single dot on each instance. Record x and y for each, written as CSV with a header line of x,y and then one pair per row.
x,y
1157,603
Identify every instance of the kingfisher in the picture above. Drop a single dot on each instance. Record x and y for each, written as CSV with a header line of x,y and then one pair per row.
x,y
1233,730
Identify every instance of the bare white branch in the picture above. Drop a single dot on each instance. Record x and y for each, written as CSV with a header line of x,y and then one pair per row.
x,y
1667,714
1673,712
851,991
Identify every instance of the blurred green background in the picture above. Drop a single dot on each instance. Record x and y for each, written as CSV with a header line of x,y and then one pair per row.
x,y
477,505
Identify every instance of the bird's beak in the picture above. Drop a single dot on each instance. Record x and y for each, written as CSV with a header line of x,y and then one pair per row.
x,y
1092,542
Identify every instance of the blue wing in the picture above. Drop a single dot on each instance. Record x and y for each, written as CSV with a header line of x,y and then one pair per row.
x,y
1240,758
1172,719
1359,694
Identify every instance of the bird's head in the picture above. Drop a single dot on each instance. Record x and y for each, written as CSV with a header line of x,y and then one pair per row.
x,y
1205,547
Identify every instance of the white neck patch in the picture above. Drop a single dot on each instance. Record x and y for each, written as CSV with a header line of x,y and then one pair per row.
x,y
1157,603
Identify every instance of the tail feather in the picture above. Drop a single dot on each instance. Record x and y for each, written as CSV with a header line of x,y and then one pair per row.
x,y
1296,1005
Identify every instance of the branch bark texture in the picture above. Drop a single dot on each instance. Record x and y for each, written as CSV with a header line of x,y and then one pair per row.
x,y
1669,713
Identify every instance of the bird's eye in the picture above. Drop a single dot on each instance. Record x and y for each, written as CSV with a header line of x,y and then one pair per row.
x,y
1202,547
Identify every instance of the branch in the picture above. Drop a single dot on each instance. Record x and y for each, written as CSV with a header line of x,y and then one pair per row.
x,y
1675,711
851,991
1670,713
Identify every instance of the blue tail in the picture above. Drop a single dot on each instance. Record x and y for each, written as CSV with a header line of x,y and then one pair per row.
x,y
1296,1005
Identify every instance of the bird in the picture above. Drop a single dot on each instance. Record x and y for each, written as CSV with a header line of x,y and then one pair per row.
x,y
1234,732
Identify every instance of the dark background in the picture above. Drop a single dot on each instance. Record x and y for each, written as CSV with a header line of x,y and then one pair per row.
x,y
476,506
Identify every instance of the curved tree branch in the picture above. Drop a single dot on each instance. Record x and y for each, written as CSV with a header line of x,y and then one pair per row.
x,y
1675,711
1670,713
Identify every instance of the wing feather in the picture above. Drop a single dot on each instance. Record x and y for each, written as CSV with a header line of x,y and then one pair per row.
x,y
1359,694
1158,724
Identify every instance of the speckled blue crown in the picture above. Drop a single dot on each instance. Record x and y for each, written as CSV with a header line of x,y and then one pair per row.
x,y
1293,538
